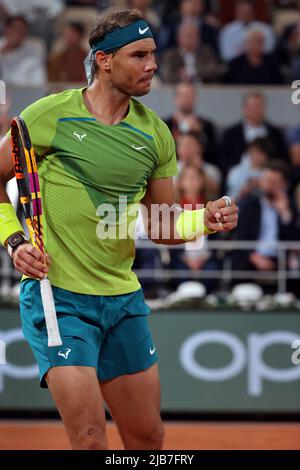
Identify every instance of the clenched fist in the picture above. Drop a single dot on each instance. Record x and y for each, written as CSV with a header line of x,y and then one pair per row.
x,y
221,215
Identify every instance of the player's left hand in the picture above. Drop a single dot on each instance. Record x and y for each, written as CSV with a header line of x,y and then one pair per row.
x,y
221,215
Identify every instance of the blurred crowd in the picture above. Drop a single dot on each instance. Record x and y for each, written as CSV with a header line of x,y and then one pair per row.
x,y
253,161
198,41
209,41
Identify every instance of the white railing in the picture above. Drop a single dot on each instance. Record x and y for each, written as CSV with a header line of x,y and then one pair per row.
x,y
226,273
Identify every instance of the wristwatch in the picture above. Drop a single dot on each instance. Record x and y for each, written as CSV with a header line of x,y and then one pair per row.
x,y
14,241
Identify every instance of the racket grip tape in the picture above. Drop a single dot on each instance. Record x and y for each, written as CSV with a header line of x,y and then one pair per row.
x,y
54,338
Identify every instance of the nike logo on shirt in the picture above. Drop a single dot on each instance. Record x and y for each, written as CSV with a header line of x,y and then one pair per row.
x,y
138,148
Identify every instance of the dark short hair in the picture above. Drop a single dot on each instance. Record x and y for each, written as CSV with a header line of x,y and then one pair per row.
x,y
279,166
77,26
198,136
253,94
109,23
242,2
12,18
264,144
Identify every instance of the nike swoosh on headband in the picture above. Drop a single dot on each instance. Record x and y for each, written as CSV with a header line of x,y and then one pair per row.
x,y
143,31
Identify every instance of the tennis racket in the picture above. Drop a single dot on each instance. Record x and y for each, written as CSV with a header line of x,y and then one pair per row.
x,y
30,197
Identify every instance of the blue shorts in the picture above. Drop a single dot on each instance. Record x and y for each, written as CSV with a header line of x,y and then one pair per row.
x,y
109,333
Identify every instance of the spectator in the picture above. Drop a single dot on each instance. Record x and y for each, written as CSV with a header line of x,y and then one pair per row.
x,y
254,67
67,65
168,9
254,124
227,10
22,60
4,118
192,192
289,51
3,10
189,10
243,178
190,61
268,217
192,188
40,14
294,157
32,9
185,119
232,36
190,151
150,14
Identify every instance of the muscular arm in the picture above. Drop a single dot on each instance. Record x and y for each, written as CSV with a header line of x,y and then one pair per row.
x,y
160,221
160,213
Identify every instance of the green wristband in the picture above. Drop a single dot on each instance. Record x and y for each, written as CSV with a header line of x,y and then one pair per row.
x,y
9,223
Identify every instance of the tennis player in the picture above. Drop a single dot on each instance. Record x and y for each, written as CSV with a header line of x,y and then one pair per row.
x,y
94,146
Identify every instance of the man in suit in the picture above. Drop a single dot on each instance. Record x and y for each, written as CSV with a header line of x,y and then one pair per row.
x,y
232,36
186,120
254,124
264,218
254,66
186,10
191,60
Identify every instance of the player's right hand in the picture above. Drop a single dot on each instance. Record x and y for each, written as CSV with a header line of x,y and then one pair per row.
x,y
29,261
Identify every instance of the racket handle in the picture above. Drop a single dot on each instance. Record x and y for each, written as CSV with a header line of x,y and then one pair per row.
x,y
54,338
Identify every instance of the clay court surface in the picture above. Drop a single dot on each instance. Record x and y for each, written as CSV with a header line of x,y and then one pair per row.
x,y
29,435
